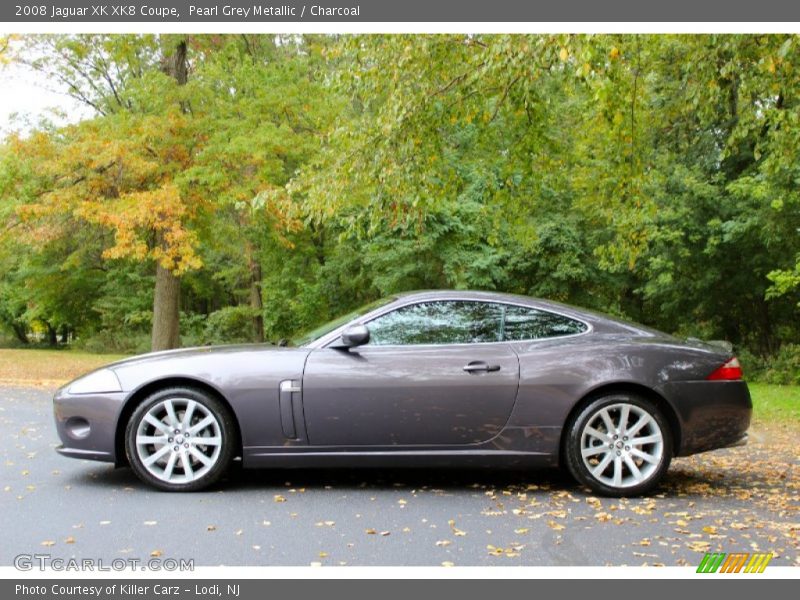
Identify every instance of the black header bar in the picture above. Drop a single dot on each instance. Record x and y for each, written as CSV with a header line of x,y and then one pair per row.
x,y
440,11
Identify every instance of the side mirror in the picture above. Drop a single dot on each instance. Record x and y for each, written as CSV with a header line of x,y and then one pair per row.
x,y
355,335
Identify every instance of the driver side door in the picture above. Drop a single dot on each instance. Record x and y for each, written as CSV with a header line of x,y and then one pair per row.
x,y
433,373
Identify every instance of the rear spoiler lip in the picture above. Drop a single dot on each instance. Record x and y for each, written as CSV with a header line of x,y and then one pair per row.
x,y
724,345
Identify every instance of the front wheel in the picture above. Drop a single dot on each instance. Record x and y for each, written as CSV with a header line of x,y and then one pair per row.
x,y
180,440
619,445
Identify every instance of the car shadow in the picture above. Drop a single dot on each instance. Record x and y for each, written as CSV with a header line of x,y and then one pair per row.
x,y
382,478
681,482
273,480
694,484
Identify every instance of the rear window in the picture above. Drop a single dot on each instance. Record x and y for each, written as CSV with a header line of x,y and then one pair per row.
x,y
522,323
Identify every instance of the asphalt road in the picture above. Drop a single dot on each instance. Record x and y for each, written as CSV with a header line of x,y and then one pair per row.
x,y
744,499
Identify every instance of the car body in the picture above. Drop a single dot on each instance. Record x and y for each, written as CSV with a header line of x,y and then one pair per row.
x,y
430,378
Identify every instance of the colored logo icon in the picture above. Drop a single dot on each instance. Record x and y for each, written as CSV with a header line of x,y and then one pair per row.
x,y
737,562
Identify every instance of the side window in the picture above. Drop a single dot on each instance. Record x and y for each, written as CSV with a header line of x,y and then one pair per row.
x,y
523,323
441,322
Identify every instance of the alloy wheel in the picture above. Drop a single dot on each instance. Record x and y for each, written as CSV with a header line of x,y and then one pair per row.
x,y
178,440
622,445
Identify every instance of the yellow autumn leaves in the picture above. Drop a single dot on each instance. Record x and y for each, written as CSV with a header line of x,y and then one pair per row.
x,y
120,175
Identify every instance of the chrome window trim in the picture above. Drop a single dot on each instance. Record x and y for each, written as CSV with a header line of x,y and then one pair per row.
x,y
327,340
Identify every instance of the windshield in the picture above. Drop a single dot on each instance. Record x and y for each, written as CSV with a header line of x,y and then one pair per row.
x,y
318,332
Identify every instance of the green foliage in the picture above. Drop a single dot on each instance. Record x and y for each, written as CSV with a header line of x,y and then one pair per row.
x,y
783,368
651,176
228,325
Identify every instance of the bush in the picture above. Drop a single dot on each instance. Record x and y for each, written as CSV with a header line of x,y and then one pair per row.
x,y
115,342
783,368
229,325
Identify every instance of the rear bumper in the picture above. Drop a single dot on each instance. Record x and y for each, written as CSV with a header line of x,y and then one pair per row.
x,y
742,441
711,414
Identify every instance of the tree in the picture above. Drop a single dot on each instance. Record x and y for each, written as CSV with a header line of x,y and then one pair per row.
x,y
166,298
277,181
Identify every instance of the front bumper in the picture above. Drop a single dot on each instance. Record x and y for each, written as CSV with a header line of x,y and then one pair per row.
x,y
87,424
711,414
85,454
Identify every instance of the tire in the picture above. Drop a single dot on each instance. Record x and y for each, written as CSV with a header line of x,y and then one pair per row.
x,y
636,463
193,458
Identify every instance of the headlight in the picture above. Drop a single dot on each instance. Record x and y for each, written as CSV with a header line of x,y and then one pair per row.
x,y
98,382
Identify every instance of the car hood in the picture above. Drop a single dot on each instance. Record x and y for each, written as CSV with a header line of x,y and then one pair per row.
x,y
196,351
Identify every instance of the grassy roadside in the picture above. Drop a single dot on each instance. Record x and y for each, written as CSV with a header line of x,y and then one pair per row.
x,y
47,368
776,403
52,368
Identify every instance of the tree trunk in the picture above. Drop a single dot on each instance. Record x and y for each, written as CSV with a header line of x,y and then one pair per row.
x,y
166,315
166,298
21,332
175,65
256,302
52,335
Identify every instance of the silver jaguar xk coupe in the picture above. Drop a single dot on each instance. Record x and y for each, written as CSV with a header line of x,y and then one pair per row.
x,y
428,378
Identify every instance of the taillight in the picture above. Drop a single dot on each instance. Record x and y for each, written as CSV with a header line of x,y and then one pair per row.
x,y
731,370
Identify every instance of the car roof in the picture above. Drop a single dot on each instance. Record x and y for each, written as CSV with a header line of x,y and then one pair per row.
x,y
483,295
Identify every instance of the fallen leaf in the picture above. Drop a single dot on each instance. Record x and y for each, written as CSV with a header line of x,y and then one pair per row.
x,y
699,546
211,528
556,526
69,540
509,552
279,498
456,531
325,523
48,543
156,553
442,543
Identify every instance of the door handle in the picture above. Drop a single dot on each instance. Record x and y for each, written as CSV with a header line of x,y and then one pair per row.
x,y
478,366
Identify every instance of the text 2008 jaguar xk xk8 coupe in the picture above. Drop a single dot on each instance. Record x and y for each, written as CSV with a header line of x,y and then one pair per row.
x,y
428,378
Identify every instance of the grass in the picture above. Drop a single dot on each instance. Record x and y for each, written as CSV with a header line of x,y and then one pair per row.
x,y
47,368
52,368
775,403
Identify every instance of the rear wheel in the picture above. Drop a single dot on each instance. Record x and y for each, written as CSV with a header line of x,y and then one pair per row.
x,y
619,445
180,439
